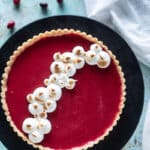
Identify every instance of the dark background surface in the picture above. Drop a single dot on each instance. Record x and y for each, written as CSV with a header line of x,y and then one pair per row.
x,y
134,81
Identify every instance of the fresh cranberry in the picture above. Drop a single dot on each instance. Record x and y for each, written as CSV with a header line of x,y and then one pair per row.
x,y
43,5
16,2
10,24
59,1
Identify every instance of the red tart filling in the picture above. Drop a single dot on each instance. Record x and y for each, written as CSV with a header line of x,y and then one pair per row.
x,y
84,113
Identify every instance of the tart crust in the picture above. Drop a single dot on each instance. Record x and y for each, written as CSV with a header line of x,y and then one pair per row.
x,y
55,33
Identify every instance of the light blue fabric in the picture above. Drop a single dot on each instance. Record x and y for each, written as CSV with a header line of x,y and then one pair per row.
x,y
2,147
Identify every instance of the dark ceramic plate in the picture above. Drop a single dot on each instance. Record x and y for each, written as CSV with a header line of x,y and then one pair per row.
x,y
134,81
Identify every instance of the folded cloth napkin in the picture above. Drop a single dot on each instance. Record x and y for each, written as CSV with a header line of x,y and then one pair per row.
x,y
130,18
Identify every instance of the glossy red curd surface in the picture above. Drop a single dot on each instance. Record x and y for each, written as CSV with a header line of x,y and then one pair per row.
x,y
84,113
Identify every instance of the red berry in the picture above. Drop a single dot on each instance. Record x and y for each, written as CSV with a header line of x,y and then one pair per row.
x,y
16,2
11,24
43,5
59,1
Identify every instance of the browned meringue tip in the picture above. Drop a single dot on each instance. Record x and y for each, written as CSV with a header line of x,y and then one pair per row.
x,y
57,56
45,82
29,98
39,99
101,63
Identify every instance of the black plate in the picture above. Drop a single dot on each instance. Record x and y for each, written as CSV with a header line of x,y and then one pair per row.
x,y
134,81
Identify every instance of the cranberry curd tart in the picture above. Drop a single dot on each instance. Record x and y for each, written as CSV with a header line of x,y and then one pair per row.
x,y
63,90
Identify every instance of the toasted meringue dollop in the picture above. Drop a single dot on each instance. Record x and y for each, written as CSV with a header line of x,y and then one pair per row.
x,y
62,79
29,125
70,69
30,98
96,48
57,56
50,106
36,137
55,92
57,67
70,84
67,57
78,51
53,78
42,115
44,126
41,95
35,108
91,57
103,60
59,79
79,62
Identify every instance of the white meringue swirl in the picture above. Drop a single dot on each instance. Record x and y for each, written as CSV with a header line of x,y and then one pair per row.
x,y
35,108
36,137
96,48
91,57
29,125
103,60
55,92
78,51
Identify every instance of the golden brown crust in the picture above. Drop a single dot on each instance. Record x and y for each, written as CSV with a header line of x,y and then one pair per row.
x,y
58,32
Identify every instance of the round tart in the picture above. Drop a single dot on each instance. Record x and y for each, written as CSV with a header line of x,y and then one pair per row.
x,y
84,115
